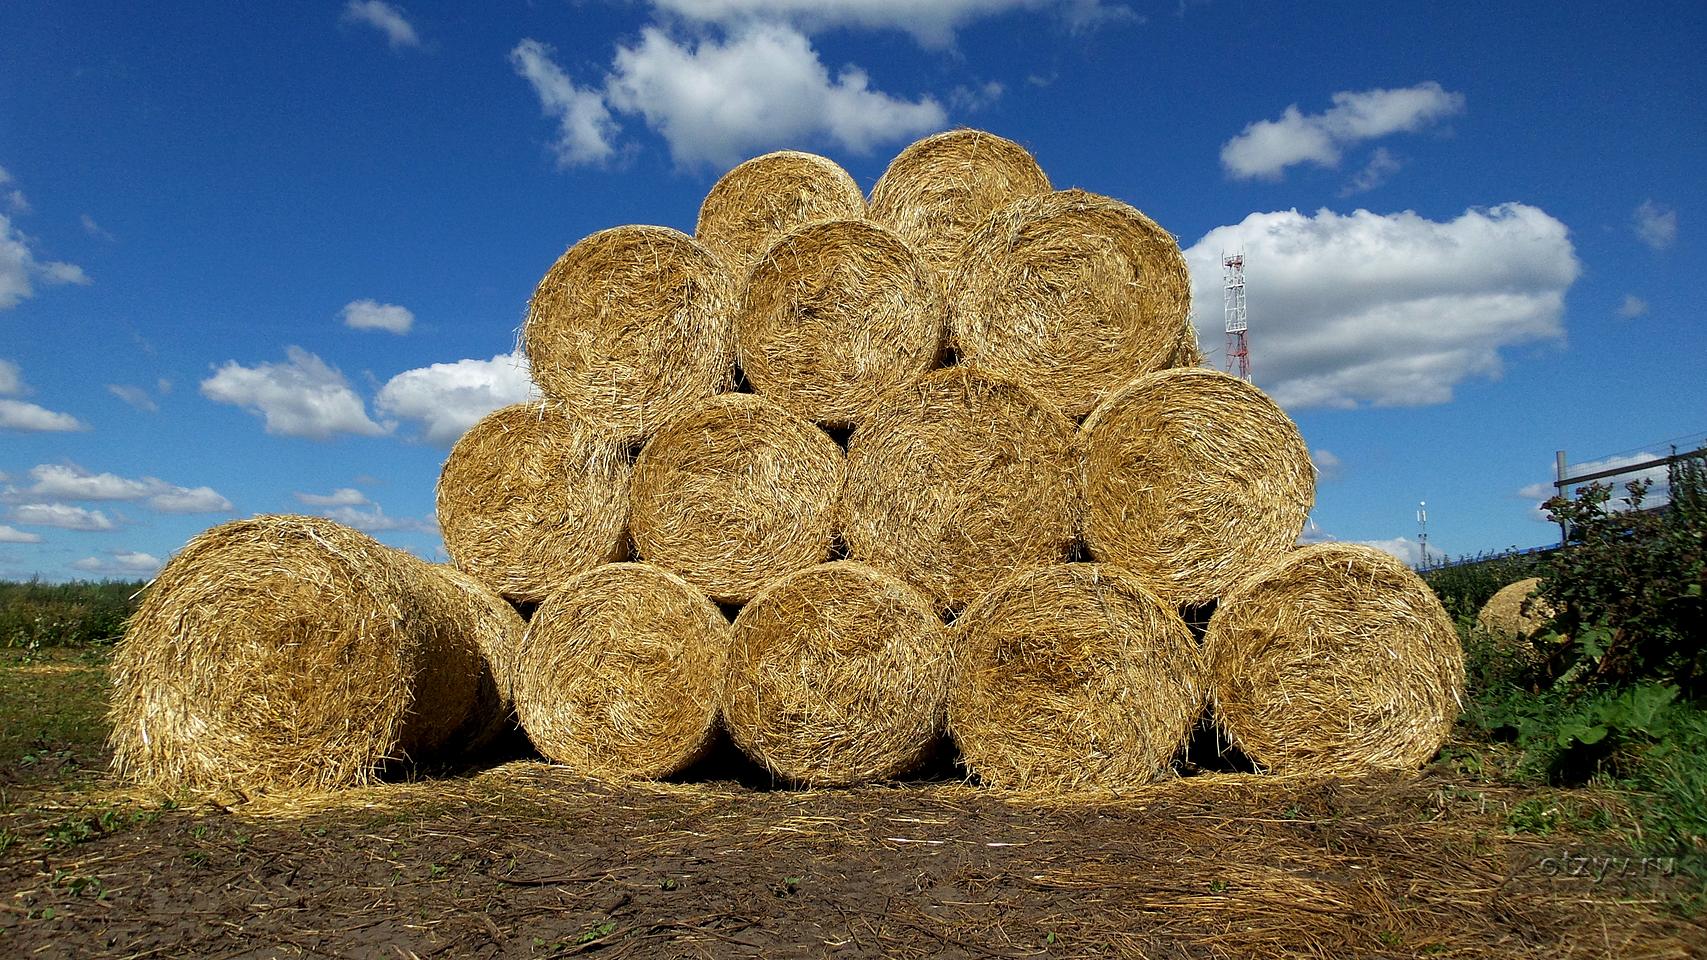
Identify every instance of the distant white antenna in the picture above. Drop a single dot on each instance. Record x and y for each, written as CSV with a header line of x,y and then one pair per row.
x,y
1422,530
1233,307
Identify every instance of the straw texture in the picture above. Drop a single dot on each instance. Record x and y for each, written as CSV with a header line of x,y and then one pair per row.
x,y
753,205
835,315
1515,612
631,324
1073,678
1335,658
529,497
288,652
736,493
837,676
619,673
960,480
1193,478
497,634
1071,294
941,188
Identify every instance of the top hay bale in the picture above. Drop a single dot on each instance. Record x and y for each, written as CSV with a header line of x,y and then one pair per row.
x,y
1192,479
958,481
1516,612
941,188
529,497
1335,658
760,200
1071,294
835,315
289,652
630,325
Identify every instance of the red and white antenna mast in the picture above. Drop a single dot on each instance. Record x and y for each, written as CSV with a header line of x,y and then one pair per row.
x,y
1233,300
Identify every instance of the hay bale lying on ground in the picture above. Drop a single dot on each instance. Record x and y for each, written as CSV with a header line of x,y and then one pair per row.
x,y
835,315
631,324
1193,478
1073,678
1334,658
837,676
1072,295
497,634
1516,612
289,652
530,496
753,205
736,493
941,188
958,481
619,673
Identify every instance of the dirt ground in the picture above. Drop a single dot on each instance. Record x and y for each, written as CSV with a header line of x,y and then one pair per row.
x,y
528,860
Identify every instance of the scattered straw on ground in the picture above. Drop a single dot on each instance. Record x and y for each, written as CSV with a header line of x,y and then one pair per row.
x,y
1336,657
753,205
1193,478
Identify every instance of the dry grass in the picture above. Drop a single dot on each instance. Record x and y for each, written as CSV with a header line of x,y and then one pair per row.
x,y
753,205
960,480
619,672
530,496
736,493
1335,658
940,189
1193,478
1072,679
1071,294
836,315
630,325
290,652
837,676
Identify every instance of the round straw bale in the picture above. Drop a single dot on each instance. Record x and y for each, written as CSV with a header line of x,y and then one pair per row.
x,y
766,197
1334,658
1072,295
736,493
1516,612
1192,479
835,315
941,188
957,481
497,633
287,652
530,497
619,672
837,676
629,325
1073,678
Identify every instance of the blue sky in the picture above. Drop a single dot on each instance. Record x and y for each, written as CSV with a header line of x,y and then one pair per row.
x,y
262,258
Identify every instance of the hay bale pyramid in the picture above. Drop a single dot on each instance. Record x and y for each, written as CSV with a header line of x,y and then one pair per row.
x,y
833,480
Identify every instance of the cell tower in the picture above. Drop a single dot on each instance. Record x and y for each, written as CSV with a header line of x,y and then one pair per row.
x,y
1422,531
1233,300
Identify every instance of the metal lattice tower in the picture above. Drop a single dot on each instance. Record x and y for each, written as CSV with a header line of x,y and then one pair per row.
x,y
1233,306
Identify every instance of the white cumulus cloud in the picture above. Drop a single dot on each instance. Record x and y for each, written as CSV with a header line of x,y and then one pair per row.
x,y
122,563
932,23
373,315
302,397
1388,309
61,515
1267,147
586,133
374,520
20,270
14,535
18,415
387,18
65,481
1655,225
447,398
342,497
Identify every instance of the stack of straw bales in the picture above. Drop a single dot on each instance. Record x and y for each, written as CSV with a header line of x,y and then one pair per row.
x,y
835,478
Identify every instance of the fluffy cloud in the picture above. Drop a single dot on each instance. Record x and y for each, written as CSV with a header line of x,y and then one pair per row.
x,y
14,535
303,397
1328,464
375,520
1390,310
586,133
1655,225
71,482
1632,307
20,270
717,101
122,563
1381,166
63,516
18,415
447,398
1406,549
11,379
385,18
342,497
135,396
932,23
372,315
1267,147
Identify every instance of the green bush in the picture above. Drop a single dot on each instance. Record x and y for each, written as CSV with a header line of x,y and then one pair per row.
x,y
1466,584
36,614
